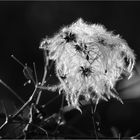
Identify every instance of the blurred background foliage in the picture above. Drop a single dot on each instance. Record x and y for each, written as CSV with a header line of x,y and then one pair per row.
x,y
23,25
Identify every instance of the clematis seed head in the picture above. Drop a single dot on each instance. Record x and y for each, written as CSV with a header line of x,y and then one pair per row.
x,y
89,60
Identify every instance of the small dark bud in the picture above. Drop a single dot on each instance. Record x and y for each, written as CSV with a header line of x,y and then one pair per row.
x,y
70,37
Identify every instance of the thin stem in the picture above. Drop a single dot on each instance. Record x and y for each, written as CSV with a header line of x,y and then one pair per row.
x,y
93,119
6,116
134,137
97,101
12,91
50,101
30,118
4,109
42,129
36,79
43,81
17,60
6,121
26,104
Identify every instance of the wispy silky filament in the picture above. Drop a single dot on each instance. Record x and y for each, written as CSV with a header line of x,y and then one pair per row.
x,y
89,60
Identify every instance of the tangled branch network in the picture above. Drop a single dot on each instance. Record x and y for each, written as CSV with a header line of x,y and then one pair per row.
x,y
89,60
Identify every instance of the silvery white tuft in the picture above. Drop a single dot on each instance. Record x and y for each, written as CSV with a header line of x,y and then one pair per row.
x,y
89,60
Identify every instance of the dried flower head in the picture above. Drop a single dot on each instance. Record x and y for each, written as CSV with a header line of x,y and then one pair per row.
x,y
89,60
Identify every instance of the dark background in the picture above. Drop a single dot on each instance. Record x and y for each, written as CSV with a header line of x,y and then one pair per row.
x,y
23,25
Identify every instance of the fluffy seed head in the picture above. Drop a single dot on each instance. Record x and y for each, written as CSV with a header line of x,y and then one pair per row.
x,y
89,60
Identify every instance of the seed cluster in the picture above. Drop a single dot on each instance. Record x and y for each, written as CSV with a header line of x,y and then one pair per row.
x,y
89,61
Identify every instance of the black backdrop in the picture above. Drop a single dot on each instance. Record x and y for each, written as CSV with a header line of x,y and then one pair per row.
x,y
24,24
